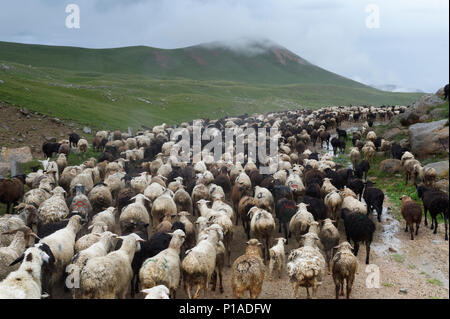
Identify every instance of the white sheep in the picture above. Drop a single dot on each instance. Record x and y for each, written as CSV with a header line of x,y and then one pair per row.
x,y
164,205
11,253
108,277
164,268
264,199
108,217
300,222
136,211
25,283
158,292
88,240
55,208
262,226
140,183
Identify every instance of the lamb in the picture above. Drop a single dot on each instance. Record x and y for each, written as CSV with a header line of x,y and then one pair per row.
x,y
329,237
11,191
262,226
100,197
248,271
359,228
136,212
412,213
344,267
104,244
164,268
108,277
107,217
374,198
436,202
11,253
277,257
199,263
305,265
300,222
157,292
25,283
61,244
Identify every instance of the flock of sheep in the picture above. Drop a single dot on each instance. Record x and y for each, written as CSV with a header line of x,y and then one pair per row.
x,y
139,219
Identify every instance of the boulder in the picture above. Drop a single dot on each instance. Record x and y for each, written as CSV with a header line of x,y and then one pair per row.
x,y
5,169
420,107
391,166
440,167
440,93
429,138
87,130
20,155
50,139
390,134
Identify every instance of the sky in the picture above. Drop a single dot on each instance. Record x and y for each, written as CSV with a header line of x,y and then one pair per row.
x,y
401,42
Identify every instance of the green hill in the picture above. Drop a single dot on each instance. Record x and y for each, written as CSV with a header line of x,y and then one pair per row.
x,y
132,86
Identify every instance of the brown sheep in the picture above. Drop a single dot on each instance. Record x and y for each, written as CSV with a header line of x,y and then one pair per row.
x,y
344,267
412,213
248,271
11,191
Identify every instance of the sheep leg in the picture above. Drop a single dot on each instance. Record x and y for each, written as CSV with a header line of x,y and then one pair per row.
x,y
417,228
295,289
197,292
435,225
411,230
280,269
350,285
367,252
356,248
173,293
406,229
445,224
7,208
338,287
214,280
285,233
426,221
307,293
220,281
271,264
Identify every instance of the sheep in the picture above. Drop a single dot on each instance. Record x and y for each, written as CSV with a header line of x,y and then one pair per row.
x,y
11,191
107,217
108,277
199,192
277,257
248,271
329,237
284,210
300,222
355,156
82,146
25,283
164,268
359,228
11,253
200,261
100,197
140,183
162,206
412,213
262,226
190,239
165,225
219,205
221,218
85,179
61,244
327,187
157,292
183,201
53,209
368,152
350,201
80,203
61,161
344,267
136,212
333,202
264,199
104,244
436,202
88,240
50,148
115,182
305,265
73,139
374,198
67,175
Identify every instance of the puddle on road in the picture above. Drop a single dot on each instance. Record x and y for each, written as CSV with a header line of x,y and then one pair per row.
x,y
385,236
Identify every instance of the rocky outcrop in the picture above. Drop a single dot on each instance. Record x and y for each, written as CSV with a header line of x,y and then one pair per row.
x,y
20,155
429,138
420,108
440,167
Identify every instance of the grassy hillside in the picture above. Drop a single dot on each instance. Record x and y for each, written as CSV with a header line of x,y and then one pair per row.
x,y
117,88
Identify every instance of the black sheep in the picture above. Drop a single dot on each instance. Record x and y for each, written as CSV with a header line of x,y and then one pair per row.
x,y
356,185
436,202
73,139
316,207
50,148
342,133
337,144
362,169
397,151
374,198
359,228
313,190
284,210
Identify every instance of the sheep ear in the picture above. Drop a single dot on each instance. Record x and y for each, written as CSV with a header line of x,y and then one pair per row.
x,y
17,260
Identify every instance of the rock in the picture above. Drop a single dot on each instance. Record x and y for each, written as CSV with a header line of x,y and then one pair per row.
x,y
389,134
436,242
440,167
5,169
5,67
55,120
392,250
404,143
403,291
414,112
2,82
424,118
440,93
24,111
436,114
20,155
391,166
442,185
50,139
87,130
428,138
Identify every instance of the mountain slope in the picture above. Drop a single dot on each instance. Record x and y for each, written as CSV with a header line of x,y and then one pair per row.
x,y
271,64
